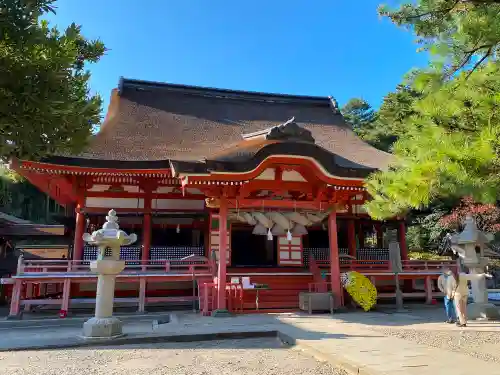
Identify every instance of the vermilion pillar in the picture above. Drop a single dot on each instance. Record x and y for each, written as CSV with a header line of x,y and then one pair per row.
x,y
351,238
334,259
146,230
146,237
221,277
402,240
79,229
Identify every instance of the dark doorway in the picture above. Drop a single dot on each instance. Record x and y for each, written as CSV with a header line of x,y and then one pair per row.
x,y
186,237
250,250
319,237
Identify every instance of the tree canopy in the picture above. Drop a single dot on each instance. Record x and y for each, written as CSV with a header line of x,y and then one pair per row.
x,y
463,33
487,216
447,137
359,114
20,198
45,102
450,148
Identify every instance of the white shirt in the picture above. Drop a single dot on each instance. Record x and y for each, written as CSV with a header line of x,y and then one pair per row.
x,y
447,284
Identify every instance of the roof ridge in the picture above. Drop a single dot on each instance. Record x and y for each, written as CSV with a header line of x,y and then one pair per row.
x,y
228,93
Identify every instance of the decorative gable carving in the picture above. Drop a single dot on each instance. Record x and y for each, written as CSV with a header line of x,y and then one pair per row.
x,y
290,131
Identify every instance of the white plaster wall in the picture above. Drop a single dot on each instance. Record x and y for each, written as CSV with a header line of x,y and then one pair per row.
x,y
114,202
267,174
164,189
99,188
292,176
178,204
127,188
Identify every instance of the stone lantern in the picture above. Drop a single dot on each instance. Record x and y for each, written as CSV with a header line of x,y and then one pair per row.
x,y
108,239
469,245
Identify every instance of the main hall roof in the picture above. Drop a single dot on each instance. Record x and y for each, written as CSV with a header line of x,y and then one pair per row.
x,y
151,123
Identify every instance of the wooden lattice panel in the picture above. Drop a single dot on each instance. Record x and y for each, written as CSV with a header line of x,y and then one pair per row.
x,y
215,238
290,252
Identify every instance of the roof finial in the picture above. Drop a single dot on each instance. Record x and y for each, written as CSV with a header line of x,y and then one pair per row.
x,y
289,131
120,85
334,104
289,121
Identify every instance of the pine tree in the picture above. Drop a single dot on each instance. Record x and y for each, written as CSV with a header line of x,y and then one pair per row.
x,y
461,33
451,147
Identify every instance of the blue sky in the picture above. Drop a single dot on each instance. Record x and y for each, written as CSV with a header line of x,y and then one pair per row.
x,y
321,47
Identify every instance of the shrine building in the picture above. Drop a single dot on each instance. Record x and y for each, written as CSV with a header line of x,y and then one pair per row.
x,y
265,182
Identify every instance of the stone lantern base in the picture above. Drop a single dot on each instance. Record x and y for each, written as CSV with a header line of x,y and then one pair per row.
x,y
483,311
102,328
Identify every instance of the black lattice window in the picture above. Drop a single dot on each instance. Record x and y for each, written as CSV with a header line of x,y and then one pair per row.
x,y
321,253
368,254
373,254
159,254
130,254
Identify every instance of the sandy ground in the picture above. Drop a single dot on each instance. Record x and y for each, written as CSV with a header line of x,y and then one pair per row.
x,y
234,357
478,344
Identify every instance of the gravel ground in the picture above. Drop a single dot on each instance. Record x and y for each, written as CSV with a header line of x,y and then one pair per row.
x,y
234,357
478,344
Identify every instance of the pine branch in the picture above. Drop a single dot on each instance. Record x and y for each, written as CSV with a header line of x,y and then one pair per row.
x,y
436,11
477,64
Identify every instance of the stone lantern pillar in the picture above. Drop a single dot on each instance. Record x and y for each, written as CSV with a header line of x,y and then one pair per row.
x,y
469,245
103,324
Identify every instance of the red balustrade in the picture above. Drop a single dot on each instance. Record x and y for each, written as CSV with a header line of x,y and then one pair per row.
x,y
30,267
382,265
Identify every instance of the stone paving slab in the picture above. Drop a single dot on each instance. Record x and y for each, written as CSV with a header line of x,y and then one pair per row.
x,y
193,328
345,340
373,353
34,320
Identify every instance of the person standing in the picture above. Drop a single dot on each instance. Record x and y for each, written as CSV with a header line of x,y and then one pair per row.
x,y
447,285
461,294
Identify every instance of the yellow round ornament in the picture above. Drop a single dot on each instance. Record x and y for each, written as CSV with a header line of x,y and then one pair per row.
x,y
360,288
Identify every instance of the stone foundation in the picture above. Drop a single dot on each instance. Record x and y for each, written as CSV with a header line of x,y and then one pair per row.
x,y
96,328
483,311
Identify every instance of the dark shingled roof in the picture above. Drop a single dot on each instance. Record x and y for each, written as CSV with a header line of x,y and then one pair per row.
x,y
150,121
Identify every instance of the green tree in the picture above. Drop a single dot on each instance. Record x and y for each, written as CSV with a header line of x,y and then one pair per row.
x,y
464,33
359,114
45,105
390,123
20,198
383,127
451,147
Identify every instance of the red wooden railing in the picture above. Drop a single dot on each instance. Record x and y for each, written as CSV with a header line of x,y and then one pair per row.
x,y
208,298
427,265
320,285
383,265
26,267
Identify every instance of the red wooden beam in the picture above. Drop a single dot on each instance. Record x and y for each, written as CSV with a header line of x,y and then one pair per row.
x,y
284,203
55,187
221,279
138,210
133,180
278,174
284,162
86,170
125,194
248,188
334,260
